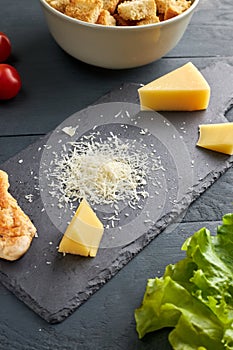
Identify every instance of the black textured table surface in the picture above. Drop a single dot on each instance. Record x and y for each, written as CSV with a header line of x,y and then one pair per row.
x,y
54,87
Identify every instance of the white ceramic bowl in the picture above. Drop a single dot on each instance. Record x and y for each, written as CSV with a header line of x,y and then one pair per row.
x,y
116,47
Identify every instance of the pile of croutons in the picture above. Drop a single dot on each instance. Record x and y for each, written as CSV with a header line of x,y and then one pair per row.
x,y
119,12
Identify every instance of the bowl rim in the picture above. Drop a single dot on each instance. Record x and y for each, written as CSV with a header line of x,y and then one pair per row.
x,y
121,28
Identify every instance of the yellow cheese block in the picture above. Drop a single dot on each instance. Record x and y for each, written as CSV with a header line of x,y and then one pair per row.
x,y
67,245
184,89
217,137
83,234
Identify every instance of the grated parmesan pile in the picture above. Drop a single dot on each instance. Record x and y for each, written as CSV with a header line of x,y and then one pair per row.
x,y
103,171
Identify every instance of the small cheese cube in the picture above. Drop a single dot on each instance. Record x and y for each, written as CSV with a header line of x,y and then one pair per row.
x,y
217,137
83,234
184,89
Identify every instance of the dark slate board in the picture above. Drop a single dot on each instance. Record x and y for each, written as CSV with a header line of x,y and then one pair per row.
x,y
54,286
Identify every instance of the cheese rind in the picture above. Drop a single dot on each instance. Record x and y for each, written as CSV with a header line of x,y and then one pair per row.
x,y
83,234
217,137
183,89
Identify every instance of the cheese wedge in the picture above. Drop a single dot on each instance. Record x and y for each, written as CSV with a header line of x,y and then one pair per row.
x,y
83,234
184,89
217,137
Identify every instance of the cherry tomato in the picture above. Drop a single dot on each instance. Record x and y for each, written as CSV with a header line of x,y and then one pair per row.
x,y
5,47
10,82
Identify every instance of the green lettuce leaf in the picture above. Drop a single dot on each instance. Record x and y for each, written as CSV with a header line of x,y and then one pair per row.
x,y
195,295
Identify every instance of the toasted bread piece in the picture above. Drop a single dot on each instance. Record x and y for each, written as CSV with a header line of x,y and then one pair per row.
x,y
161,6
59,5
84,10
137,9
105,18
148,20
16,229
175,8
122,22
161,17
110,5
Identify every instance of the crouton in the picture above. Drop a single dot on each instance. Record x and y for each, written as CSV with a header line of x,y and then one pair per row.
x,y
110,5
59,5
161,5
84,10
121,12
175,8
122,22
148,20
105,18
137,9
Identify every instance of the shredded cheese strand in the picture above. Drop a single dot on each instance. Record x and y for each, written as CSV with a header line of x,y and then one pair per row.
x,y
104,172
